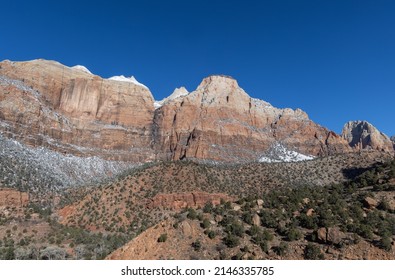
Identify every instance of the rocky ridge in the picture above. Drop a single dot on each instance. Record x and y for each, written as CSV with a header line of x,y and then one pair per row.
x,y
363,135
221,122
71,110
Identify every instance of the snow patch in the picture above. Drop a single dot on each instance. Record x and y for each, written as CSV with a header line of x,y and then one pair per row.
x,y
132,79
279,153
82,68
178,92
157,104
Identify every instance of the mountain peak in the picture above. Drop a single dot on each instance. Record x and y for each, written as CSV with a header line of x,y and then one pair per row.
x,y
218,81
178,92
362,134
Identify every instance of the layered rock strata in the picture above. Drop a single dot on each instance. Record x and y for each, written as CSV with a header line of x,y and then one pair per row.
x,y
71,110
44,103
220,121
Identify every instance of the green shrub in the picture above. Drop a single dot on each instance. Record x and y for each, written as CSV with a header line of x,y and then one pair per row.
x,y
313,252
281,249
293,234
162,237
205,224
386,243
197,245
191,214
231,240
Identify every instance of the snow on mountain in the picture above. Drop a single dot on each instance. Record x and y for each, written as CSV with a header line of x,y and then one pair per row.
x,y
158,104
43,169
82,68
132,79
279,153
178,92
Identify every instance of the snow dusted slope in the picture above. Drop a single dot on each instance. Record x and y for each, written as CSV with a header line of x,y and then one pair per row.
x,y
279,153
132,79
40,169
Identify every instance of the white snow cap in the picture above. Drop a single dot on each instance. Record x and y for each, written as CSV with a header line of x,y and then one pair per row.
x,y
132,79
178,92
279,153
82,68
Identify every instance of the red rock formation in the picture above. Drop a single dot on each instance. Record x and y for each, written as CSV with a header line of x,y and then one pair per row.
x,y
179,201
44,103
363,135
13,198
220,121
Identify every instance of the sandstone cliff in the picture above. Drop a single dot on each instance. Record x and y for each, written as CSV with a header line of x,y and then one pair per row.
x,y
71,110
45,103
220,121
363,135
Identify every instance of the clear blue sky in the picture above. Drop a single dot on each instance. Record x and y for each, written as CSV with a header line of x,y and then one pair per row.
x,y
335,59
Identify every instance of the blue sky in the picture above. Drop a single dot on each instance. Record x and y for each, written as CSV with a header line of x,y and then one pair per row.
x,y
333,59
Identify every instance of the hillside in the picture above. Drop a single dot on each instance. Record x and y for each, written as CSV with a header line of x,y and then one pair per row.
x,y
352,220
97,220
123,205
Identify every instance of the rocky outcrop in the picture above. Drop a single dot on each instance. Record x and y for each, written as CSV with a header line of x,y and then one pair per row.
x,y
363,135
332,235
220,121
370,202
44,103
10,198
177,201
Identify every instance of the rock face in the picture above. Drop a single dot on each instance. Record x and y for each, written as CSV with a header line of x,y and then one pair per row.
x,y
13,198
220,121
44,103
71,110
179,201
331,235
363,135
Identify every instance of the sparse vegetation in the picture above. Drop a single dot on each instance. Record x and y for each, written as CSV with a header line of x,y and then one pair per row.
x,y
262,221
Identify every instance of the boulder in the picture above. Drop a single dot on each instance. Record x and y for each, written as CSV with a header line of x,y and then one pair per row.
x,y
370,202
256,220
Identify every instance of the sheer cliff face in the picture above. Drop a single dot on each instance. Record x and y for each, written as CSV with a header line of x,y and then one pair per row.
x,y
363,135
219,121
44,103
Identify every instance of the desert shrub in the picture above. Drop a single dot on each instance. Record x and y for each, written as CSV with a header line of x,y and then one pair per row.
x,y
210,233
293,234
313,252
205,224
235,228
268,219
386,243
281,249
162,237
231,240
191,214
208,207
197,245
